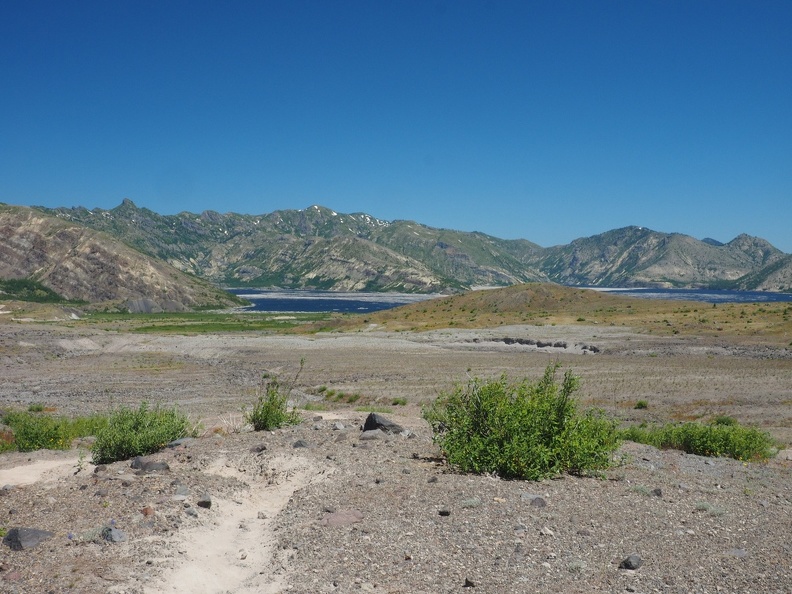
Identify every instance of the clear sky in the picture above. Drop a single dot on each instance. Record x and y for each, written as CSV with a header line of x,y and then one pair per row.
x,y
539,120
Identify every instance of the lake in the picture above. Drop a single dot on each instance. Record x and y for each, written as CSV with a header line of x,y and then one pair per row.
x,y
329,301
706,295
324,301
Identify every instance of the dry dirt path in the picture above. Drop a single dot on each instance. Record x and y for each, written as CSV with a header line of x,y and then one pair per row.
x,y
233,552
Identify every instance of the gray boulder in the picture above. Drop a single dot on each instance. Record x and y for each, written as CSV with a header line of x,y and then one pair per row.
x,y
19,539
376,421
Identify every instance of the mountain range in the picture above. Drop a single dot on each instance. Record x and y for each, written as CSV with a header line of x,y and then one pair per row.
x,y
317,248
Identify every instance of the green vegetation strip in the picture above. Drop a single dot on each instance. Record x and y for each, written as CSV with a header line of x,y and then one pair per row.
x,y
717,439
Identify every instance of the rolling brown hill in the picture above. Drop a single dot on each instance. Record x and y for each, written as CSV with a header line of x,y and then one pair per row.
x,y
81,264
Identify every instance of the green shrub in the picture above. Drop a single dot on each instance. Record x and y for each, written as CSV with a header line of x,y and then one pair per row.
x,y
43,432
36,407
399,402
641,404
131,433
521,430
724,420
730,439
271,411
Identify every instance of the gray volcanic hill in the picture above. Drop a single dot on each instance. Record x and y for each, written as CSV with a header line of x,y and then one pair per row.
x,y
81,264
321,249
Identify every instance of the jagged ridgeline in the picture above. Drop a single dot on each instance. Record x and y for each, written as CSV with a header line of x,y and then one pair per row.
x,y
318,248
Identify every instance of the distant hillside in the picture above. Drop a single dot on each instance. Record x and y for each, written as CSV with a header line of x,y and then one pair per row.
x,y
314,248
81,264
636,256
321,249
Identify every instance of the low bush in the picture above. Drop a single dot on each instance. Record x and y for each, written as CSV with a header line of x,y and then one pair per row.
x,y
32,431
521,430
727,438
131,433
271,408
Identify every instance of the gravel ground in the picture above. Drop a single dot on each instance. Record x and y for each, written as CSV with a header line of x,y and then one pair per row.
x,y
385,515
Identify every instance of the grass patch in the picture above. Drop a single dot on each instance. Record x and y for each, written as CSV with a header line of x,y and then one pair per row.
x,y
716,439
138,432
641,404
399,402
521,430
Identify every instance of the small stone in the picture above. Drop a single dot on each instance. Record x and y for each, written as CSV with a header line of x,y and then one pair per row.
x,y
205,501
546,532
300,443
145,466
472,502
191,511
634,561
739,553
538,502
338,426
113,534
371,435
261,515
432,479
657,492
468,584
257,449
100,468
147,511
444,511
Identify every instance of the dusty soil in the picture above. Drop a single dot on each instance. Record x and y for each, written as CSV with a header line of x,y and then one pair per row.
x,y
345,514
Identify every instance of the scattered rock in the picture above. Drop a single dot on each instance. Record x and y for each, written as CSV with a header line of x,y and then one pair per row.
x,y
739,553
634,561
468,584
19,539
338,426
257,449
145,466
472,502
204,501
300,443
114,535
372,434
444,511
191,511
377,421
546,532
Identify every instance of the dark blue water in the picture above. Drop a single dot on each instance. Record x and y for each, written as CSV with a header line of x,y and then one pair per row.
x,y
329,301
324,301
706,295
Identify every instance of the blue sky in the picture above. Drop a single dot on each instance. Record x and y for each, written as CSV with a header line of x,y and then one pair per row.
x,y
539,120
